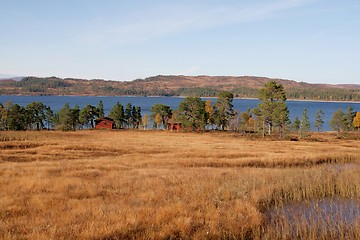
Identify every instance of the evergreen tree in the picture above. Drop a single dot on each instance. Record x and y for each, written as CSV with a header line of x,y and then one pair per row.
x,y
337,121
16,118
272,111
128,115
66,118
117,113
304,124
349,118
223,109
319,120
87,116
192,114
75,113
296,124
49,118
136,116
36,115
100,110
282,120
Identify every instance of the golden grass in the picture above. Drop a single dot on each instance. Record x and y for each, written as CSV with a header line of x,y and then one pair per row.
x,y
160,185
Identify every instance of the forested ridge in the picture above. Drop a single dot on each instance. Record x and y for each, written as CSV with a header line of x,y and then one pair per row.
x,y
200,86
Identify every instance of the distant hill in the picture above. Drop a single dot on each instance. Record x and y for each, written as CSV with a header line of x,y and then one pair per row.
x,y
203,86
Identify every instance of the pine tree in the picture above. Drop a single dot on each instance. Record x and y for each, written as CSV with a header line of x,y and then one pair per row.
x,y
272,111
87,115
223,109
296,124
49,118
319,120
128,115
304,124
65,118
136,116
75,114
337,121
349,118
16,118
36,115
117,114
192,114
100,110
281,119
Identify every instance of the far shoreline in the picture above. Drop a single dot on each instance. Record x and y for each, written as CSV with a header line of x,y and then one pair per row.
x,y
134,96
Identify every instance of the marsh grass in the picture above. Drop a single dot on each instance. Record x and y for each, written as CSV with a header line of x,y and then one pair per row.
x,y
163,185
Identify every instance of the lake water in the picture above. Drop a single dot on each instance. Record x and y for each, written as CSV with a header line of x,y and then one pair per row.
x,y
295,107
318,216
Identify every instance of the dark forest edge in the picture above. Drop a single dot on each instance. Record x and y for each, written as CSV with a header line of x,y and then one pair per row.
x,y
195,86
270,117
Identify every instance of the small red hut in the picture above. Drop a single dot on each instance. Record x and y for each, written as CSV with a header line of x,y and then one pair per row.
x,y
104,123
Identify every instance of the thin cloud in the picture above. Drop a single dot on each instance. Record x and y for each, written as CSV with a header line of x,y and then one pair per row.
x,y
156,22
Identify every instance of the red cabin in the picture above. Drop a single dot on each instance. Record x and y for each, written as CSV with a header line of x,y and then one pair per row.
x,y
104,123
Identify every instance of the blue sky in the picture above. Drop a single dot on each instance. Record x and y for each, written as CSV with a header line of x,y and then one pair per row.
x,y
315,41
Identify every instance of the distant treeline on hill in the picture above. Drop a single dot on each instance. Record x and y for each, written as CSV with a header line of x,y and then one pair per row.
x,y
201,86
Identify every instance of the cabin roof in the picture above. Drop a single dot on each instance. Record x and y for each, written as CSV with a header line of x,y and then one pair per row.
x,y
107,119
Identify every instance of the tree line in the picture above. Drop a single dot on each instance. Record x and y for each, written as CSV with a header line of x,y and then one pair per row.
x,y
270,117
38,116
273,112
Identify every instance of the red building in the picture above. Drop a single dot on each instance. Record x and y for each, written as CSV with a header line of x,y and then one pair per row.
x,y
104,123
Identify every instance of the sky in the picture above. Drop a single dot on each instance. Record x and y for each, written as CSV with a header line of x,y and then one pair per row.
x,y
315,41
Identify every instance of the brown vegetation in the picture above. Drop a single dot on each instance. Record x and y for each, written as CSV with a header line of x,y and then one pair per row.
x,y
162,185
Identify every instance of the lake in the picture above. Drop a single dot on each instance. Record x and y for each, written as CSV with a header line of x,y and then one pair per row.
x,y
295,107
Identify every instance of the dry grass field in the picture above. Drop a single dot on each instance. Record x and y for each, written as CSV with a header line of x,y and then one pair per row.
x,y
167,185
